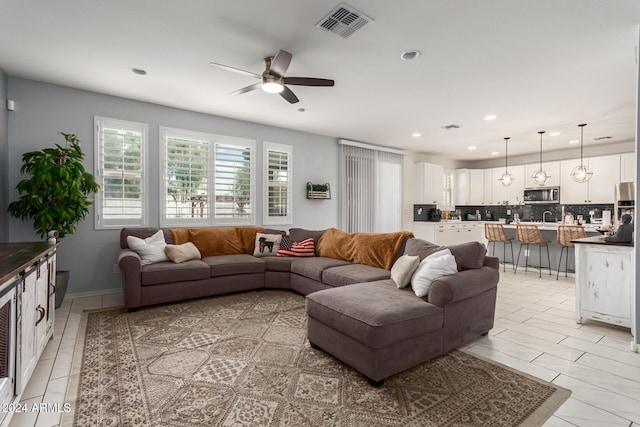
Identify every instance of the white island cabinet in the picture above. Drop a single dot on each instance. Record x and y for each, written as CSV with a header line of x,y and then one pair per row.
x,y
605,281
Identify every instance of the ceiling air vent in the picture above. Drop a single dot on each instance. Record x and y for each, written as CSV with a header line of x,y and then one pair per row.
x,y
451,126
600,138
343,21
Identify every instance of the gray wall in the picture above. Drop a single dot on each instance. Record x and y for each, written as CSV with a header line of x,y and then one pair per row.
x,y
43,110
4,159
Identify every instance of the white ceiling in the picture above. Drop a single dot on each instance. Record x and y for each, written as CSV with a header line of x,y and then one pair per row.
x,y
537,65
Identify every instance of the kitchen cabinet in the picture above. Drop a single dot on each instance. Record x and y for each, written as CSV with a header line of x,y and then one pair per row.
x,y
447,233
500,193
473,187
462,187
428,183
487,180
551,168
628,167
599,189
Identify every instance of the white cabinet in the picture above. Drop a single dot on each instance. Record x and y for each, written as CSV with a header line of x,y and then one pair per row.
x,y
473,187
551,168
462,187
447,233
430,231
428,183
500,193
476,186
488,187
628,167
27,326
599,189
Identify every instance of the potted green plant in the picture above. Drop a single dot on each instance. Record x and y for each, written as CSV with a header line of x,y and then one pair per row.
x,y
56,195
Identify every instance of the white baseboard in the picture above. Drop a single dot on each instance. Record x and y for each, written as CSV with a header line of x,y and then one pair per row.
x,y
94,293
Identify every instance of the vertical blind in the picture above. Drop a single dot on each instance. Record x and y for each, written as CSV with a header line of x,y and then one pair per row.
x,y
371,193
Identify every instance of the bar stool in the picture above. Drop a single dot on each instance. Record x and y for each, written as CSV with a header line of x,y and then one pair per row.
x,y
529,234
495,233
567,233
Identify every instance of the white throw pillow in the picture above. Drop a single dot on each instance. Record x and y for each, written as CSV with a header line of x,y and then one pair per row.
x,y
442,263
267,244
403,269
151,249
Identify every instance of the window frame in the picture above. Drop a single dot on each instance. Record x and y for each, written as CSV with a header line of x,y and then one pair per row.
x,y
100,222
281,148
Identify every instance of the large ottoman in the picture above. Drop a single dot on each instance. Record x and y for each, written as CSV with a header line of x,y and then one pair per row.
x,y
374,327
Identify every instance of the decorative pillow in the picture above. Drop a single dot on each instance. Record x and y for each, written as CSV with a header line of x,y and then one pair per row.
x,y
151,249
305,248
267,244
181,253
442,263
469,255
403,269
422,248
286,242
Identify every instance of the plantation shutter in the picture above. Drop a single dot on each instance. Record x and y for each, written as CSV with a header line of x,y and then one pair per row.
x,y
234,181
277,191
186,176
121,173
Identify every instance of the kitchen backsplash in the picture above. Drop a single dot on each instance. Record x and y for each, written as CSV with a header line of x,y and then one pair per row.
x,y
533,212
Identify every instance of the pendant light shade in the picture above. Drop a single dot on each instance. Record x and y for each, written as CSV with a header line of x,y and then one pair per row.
x,y
506,178
581,173
540,176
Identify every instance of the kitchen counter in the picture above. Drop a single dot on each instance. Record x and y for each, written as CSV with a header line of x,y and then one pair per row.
x,y
17,257
599,240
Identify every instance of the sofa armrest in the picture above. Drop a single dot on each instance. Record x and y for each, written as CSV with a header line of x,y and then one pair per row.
x,y
130,265
492,261
462,285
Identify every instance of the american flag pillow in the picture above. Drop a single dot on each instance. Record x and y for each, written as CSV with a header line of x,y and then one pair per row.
x,y
305,248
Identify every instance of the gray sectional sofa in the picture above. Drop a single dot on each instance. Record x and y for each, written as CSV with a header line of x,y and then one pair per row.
x,y
355,311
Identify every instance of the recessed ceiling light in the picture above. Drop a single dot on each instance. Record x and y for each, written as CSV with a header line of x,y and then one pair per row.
x,y
410,54
574,141
302,110
554,134
471,147
495,153
416,134
138,71
490,117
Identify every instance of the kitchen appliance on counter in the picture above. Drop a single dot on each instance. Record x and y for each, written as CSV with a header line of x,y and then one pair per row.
x,y
624,201
541,195
426,213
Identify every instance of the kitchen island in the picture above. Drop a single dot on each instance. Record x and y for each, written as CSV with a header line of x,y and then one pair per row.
x,y
605,281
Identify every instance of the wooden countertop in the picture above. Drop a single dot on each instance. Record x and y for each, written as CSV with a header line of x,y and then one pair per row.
x,y
599,240
16,257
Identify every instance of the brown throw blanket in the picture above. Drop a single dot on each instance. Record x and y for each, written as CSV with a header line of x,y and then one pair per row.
x,y
212,241
374,249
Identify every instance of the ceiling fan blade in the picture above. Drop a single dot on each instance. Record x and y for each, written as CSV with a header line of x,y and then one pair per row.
x,y
289,95
308,81
235,70
280,63
247,89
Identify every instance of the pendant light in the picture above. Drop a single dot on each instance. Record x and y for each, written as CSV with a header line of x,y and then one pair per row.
x,y
540,176
506,178
581,173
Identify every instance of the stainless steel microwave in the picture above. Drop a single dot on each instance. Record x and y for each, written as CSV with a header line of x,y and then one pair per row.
x,y
541,195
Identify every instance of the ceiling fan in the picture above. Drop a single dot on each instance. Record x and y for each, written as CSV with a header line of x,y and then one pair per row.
x,y
273,79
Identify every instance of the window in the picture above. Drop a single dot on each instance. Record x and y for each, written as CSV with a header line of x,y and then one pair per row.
x,y
185,193
121,172
277,184
371,181
448,178
207,179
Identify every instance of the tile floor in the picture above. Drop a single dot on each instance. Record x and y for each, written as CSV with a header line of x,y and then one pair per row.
x,y
535,332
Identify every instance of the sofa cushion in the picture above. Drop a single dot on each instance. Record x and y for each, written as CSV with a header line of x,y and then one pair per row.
x,y
376,314
313,267
181,253
300,234
442,263
168,272
302,249
277,263
353,273
142,233
267,244
225,265
151,249
403,270
468,255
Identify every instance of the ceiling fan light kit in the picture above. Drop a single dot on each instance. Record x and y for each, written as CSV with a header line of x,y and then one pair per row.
x,y
581,173
506,179
540,176
273,79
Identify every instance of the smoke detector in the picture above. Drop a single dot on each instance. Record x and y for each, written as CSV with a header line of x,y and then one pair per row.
x,y
343,21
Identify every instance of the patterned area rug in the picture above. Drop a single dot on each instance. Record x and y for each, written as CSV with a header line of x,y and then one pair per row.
x,y
242,359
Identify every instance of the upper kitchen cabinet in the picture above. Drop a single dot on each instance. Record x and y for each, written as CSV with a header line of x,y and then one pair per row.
x,y
462,187
599,189
628,167
551,168
427,183
473,187
514,192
